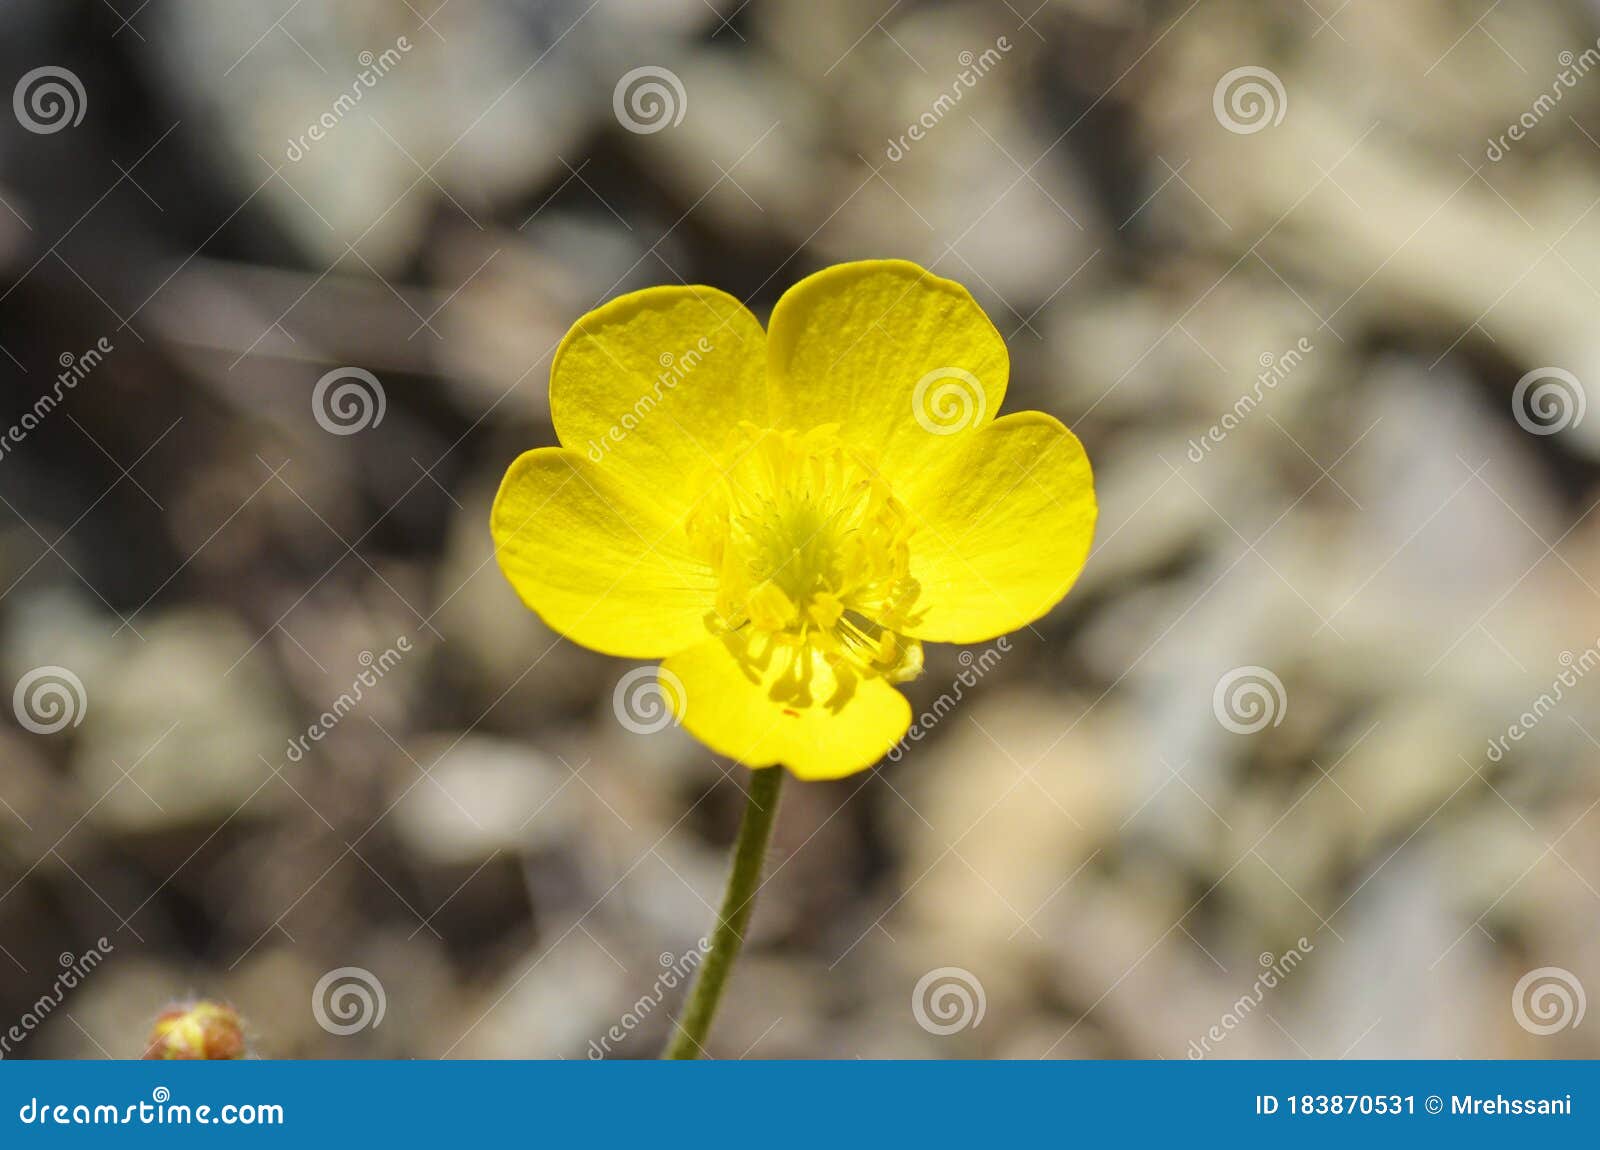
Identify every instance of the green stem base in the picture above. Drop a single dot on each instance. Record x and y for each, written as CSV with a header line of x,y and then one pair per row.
x,y
744,880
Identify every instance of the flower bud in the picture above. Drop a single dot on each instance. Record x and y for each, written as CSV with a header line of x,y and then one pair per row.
x,y
197,1030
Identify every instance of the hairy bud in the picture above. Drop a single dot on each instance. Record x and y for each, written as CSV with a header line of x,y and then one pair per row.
x,y
197,1030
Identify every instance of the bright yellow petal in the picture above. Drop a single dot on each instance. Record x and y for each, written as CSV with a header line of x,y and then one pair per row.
x,y
1002,529
907,363
599,560
733,711
654,382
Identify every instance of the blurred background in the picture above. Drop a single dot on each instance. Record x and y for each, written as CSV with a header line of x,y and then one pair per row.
x,y
1305,766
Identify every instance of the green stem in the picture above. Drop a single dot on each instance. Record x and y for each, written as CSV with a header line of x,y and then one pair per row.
x,y
744,880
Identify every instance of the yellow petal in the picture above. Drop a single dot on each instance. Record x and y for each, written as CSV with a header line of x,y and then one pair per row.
x,y
1002,528
654,381
905,362
600,560
733,711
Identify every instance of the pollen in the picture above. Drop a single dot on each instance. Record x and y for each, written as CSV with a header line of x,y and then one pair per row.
x,y
812,554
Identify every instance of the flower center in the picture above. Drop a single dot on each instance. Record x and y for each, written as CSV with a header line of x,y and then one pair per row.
x,y
811,550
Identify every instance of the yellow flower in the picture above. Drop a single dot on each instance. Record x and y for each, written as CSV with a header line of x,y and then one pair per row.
x,y
784,516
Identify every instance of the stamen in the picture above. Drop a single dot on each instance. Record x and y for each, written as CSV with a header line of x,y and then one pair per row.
x,y
812,552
